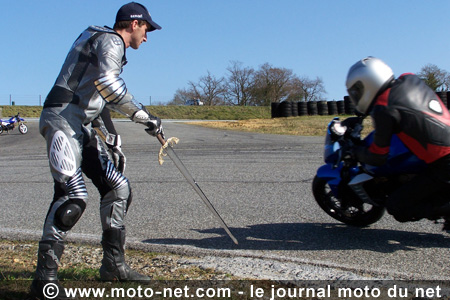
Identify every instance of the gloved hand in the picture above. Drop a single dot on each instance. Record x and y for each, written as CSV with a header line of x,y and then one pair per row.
x,y
348,153
154,126
153,123
117,156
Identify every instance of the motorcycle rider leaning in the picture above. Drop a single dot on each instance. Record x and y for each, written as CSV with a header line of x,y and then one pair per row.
x,y
405,106
88,81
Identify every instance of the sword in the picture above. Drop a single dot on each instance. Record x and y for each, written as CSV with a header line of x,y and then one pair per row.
x,y
168,149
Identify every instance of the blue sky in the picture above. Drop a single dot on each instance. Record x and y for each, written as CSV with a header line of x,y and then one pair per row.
x,y
312,37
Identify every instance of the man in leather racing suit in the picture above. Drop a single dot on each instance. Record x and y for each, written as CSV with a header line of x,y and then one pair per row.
x,y
88,81
409,108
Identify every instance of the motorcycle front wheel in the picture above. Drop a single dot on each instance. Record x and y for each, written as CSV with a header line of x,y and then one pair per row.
x,y
23,128
354,212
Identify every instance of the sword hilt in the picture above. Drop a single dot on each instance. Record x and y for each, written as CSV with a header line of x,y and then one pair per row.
x,y
161,139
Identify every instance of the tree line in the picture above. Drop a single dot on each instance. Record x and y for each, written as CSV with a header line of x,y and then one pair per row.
x,y
246,86
436,78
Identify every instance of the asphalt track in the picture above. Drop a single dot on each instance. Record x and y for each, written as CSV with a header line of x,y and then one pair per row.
x,y
261,186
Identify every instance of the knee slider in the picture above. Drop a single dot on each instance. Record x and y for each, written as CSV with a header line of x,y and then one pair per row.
x,y
68,214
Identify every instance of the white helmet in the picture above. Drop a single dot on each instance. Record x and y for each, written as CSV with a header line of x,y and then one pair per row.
x,y
366,80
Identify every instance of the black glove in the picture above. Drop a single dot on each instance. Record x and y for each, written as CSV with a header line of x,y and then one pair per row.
x,y
154,126
117,156
336,129
348,153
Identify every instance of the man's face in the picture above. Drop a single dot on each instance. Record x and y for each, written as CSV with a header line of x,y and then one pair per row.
x,y
139,35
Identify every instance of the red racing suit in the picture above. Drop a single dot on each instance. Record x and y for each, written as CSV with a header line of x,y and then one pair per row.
x,y
413,111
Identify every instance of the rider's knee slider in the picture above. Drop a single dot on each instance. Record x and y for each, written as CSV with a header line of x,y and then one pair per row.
x,y
68,214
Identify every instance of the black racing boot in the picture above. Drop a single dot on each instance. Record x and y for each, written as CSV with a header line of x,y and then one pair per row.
x,y
113,262
49,254
446,226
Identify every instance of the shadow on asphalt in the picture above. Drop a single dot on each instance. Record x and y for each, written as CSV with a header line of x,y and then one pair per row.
x,y
314,236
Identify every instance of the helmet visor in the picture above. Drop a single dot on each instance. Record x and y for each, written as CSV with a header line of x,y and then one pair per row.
x,y
356,91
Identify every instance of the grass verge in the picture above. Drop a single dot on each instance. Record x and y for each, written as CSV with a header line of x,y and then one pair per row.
x,y
301,126
166,112
80,264
246,118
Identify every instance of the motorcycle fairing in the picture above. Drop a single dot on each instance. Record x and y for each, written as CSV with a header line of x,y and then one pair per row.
x,y
400,159
356,184
333,176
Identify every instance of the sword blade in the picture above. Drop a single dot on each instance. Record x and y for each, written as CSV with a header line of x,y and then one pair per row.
x,y
179,164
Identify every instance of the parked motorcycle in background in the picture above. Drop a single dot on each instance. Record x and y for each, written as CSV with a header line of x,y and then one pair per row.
x,y
16,121
355,193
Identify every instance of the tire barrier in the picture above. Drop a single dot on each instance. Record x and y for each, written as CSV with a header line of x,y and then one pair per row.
x,y
448,97
294,109
349,107
443,97
302,108
312,108
285,109
340,107
274,109
322,108
332,108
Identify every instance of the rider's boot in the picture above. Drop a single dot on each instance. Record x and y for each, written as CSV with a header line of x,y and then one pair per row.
x,y
113,262
49,254
439,212
446,226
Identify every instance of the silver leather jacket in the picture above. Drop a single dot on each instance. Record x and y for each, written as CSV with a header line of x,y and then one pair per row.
x,y
89,79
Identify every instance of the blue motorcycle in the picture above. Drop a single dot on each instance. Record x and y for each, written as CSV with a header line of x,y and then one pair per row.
x,y
12,122
352,192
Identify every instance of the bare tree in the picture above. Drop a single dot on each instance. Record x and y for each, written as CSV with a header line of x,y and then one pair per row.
x,y
270,84
295,90
239,84
181,96
313,89
209,89
246,86
434,77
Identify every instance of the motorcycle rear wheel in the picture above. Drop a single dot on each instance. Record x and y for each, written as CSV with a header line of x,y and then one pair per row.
x,y
355,214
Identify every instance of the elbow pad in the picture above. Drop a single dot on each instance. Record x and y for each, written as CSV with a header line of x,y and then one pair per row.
x,y
113,90
111,87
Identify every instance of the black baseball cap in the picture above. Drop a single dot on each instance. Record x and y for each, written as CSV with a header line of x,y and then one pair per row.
x,y
136,11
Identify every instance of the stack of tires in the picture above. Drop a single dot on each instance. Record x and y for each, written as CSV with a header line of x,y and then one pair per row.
x,y
274,109
285,109
302,108
322,108
332,108
349,107
448,97
340,107
312,108
443,96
